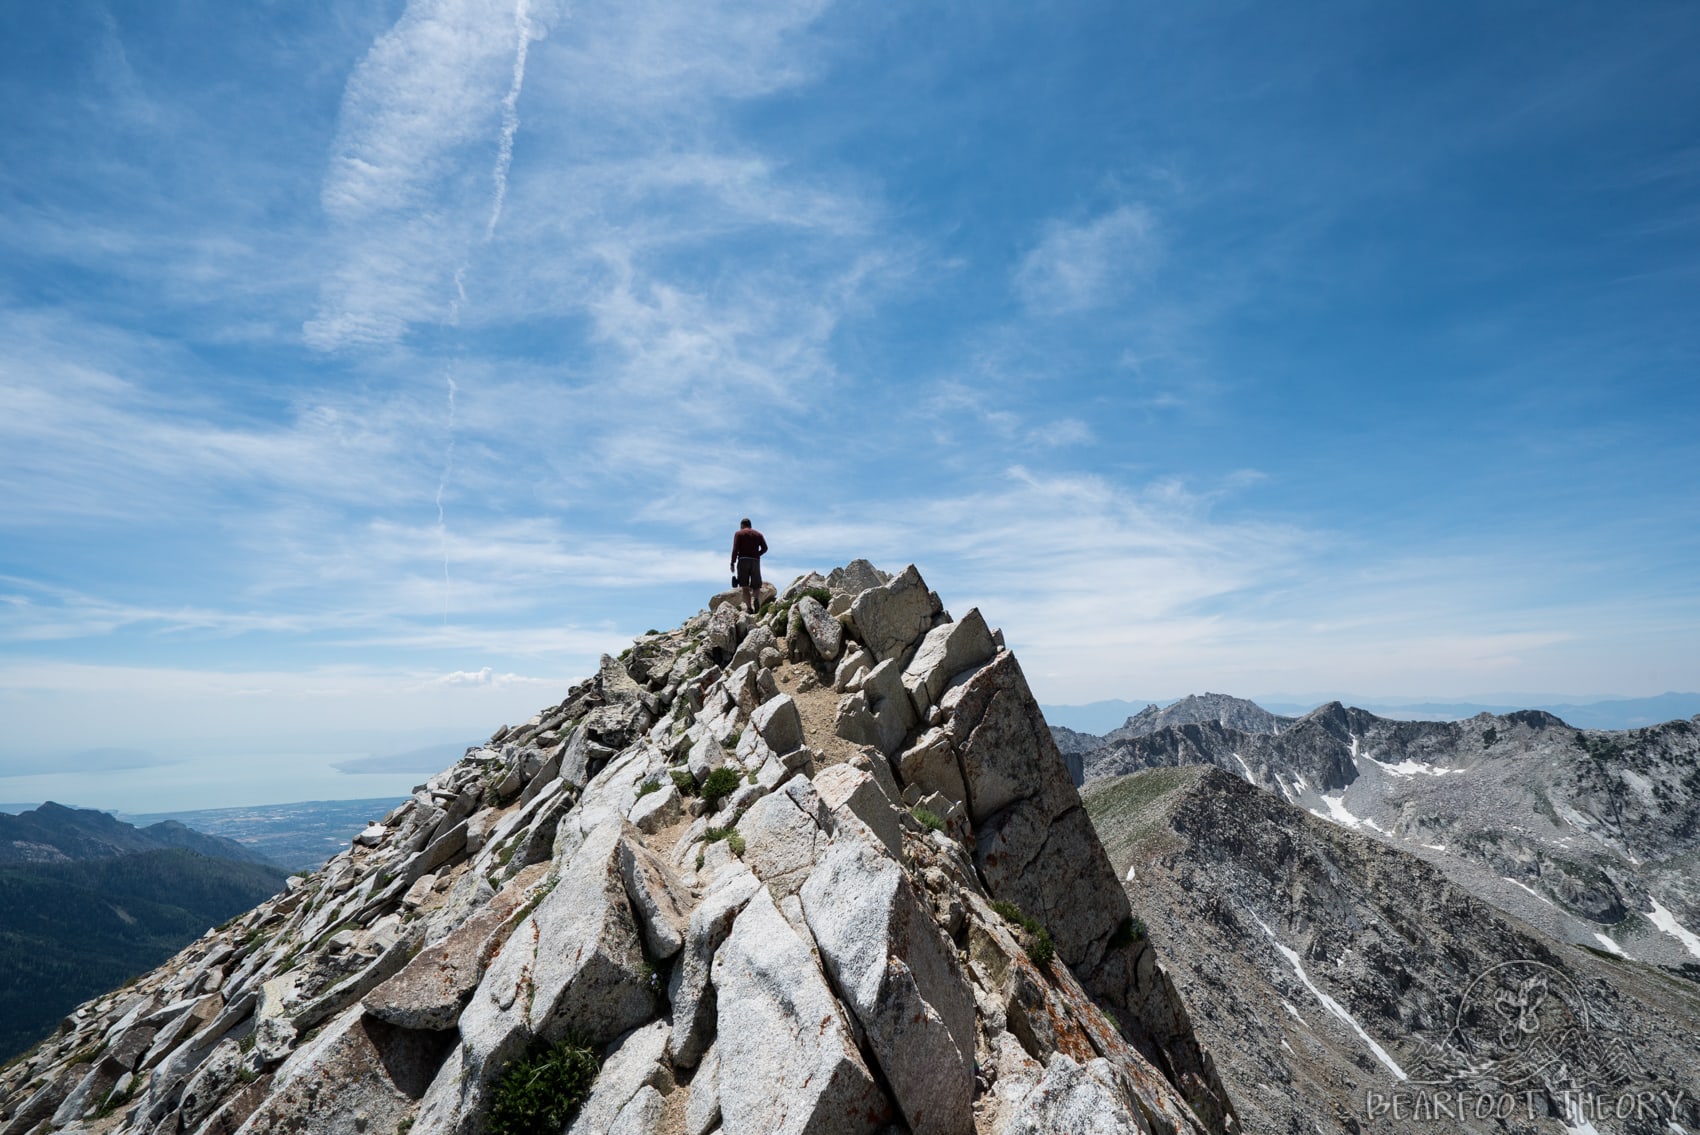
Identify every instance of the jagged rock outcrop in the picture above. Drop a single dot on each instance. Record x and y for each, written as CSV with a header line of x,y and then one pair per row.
x,y
1072,741
820,869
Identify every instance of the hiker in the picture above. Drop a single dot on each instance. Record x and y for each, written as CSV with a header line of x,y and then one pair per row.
x,y
748,547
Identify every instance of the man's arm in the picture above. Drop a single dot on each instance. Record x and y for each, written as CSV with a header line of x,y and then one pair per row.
x,y
762,540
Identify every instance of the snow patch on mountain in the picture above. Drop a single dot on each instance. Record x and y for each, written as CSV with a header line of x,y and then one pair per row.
x,y
1339,814
1667,922
1610,946
1330,1004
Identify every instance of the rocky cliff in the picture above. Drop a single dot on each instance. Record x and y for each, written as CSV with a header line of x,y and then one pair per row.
x,y
1346,985
821,870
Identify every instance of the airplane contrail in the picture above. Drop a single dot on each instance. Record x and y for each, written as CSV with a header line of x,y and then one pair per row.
x,y
442,488
510,116
498,196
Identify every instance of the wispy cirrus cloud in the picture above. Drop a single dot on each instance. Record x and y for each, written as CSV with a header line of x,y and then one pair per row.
x,y
1078,266
404,183
709,276
617,90
92,429
34,612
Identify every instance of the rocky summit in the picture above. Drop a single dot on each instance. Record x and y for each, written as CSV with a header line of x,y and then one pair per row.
x,y
1230,712
817,870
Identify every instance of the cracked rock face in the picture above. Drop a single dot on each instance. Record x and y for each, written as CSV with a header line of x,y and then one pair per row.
x,y
804,953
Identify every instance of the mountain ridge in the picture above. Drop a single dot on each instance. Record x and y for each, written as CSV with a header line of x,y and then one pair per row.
x,y
54,833
1102,717
297,835
1592,835
1336,976
71,928
820,869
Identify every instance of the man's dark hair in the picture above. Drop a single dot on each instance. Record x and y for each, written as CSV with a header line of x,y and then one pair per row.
x,y
745,523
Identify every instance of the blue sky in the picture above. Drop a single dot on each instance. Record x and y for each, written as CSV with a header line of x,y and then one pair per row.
x,y
367,369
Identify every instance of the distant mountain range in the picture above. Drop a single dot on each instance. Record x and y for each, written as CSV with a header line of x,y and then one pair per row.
x,y
1591,835
1102,717
1235,713
1194,709
296,837
88,901
53,833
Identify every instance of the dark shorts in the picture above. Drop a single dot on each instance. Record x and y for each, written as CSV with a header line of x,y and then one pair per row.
x,y
749,571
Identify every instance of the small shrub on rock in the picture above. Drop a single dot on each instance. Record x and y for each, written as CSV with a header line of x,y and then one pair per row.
x,y
647,787
732,837
542,1090
683,781
721,783
1131,930
929,819
1040,948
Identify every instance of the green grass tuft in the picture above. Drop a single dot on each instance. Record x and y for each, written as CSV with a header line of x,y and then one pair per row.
x,y
929,819
721,783
1040,948
542,1090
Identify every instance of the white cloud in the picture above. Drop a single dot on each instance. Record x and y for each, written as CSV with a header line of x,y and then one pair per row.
x,y
436,101
96,426
1079,266
404,186
710,277
487,676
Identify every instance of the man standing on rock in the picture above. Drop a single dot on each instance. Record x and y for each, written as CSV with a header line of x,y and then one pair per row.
x,y
748,547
